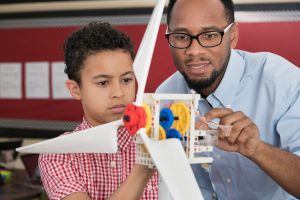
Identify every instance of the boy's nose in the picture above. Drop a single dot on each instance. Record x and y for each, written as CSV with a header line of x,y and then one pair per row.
x,y
117,91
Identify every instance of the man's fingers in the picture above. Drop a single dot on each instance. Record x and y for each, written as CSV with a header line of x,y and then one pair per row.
x,y
217,113
232,118
237,129
225,145
200,125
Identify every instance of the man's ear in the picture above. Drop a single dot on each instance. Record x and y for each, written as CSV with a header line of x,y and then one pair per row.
x,y
234,36
167,29
74,89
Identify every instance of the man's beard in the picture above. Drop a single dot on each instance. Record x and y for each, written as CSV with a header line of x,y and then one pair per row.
x,y
201,84
198,85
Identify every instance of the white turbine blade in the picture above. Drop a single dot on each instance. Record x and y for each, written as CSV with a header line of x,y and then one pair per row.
x,y
99,139
143,58
174,168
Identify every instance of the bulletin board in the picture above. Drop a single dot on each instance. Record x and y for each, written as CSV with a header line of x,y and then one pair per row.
x,y
45,44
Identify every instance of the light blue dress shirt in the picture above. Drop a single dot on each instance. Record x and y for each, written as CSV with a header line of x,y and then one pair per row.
x,y
266,87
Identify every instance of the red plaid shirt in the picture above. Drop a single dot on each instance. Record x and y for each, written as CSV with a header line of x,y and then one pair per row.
x,y
97,174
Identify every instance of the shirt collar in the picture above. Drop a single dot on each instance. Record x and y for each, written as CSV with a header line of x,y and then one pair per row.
x,y
229,85
84,125
124,138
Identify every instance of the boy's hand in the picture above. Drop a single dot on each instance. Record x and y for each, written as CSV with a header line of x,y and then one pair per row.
x,y
143,169
244,136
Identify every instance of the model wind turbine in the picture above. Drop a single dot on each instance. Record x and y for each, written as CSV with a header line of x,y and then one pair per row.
x,y
171,157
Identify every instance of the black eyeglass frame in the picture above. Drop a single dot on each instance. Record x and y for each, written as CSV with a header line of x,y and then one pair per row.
x,y
167,35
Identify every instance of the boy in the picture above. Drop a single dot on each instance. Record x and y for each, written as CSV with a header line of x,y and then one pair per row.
x,y
99,67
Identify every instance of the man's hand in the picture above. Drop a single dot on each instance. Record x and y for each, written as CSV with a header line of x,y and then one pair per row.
x,y
244,135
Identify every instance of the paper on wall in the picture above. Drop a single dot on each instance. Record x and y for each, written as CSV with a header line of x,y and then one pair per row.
x,y
59,89
37,80
10,80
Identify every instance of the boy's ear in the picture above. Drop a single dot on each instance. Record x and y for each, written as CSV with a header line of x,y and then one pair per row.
x,y
74,89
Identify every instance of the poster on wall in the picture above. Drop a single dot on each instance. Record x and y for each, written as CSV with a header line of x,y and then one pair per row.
x,y
37,80
10,80
59,89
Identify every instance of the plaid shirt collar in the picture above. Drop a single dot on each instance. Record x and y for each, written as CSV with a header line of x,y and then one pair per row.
x,y
124,138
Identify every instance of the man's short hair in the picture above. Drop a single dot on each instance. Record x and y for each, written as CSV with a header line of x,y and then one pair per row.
x,y
228,5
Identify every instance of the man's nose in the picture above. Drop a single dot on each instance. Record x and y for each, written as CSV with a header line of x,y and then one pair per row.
x,y
195,48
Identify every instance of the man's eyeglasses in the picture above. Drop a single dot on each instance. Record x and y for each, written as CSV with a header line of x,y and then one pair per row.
x,y
206,39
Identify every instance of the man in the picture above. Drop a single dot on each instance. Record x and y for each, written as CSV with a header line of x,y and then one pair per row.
x,y
256,93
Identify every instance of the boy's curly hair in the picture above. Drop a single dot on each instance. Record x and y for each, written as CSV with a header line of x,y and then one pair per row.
x,y
90,39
